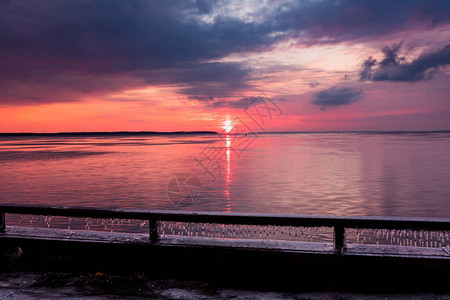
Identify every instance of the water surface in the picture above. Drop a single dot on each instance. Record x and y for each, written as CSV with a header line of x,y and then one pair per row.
x,y
314,173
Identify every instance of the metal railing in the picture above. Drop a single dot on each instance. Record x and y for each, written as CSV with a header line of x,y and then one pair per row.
x,y
339,224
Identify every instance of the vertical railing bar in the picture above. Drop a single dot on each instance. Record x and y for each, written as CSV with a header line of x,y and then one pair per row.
x,y
153,230
2,223
339,238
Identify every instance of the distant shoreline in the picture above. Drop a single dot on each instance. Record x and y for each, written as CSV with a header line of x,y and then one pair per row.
x,y
108,133
151,133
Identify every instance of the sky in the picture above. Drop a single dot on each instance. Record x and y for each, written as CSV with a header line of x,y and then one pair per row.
x,y
106,65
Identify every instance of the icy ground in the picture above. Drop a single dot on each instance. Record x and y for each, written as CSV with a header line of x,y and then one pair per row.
x,y
27,285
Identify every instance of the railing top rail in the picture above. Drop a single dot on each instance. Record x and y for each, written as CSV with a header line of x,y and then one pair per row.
x,y
235,218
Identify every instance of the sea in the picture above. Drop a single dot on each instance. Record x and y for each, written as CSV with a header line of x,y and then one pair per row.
x,y
403,174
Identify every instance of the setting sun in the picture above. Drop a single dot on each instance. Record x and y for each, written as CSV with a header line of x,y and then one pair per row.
x,y
228,126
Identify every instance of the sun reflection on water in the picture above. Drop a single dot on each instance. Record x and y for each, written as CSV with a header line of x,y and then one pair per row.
x,y
228,173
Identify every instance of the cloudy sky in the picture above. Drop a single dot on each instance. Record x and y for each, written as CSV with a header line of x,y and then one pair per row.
x,y
189,65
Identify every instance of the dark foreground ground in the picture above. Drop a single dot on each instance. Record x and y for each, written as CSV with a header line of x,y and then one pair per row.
x,y
50,285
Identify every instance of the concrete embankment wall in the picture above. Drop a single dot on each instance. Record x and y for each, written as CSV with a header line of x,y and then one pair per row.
x,y
239,267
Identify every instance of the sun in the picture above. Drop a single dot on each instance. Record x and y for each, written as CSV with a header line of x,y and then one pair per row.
x,y
228,126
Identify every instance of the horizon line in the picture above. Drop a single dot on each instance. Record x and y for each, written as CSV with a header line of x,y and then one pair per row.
x,y
83,133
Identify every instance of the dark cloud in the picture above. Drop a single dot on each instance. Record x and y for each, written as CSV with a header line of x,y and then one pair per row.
x,y
63,88
54,51
324,22
116,36
336,96
395,68
201,98
67,49
204,79
366,70
243,102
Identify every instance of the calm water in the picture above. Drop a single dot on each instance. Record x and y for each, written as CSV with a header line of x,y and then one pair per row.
x,y
335,174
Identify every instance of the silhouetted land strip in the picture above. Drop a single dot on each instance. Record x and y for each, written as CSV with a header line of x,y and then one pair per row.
x,y
110,133
205,132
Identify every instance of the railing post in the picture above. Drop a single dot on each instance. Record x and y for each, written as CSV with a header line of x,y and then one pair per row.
x,y
2,223
153,228
339,236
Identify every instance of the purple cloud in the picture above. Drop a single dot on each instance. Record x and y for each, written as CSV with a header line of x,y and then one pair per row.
x,y
336,96
395,68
